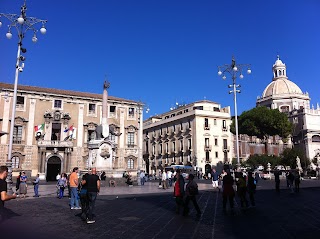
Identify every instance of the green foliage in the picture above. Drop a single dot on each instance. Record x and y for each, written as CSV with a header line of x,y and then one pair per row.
x,y
288,158
256,160
263,122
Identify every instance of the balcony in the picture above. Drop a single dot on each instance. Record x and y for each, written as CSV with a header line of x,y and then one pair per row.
x,y
112,114
206,126
207,148
226,148
224,129
55,143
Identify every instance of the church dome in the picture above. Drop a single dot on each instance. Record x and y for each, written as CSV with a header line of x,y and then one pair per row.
x,y
280,87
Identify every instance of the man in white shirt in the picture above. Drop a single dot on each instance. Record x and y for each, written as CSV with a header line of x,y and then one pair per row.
x,y
170,178
142,177
163,179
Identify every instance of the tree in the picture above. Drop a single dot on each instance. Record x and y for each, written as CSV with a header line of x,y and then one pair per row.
x,y
263,122
289,156
255,160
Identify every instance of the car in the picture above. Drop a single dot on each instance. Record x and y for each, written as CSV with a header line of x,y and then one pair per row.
x,y
265,175
260,168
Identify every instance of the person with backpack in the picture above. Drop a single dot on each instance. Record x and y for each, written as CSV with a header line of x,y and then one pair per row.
x,y
191,192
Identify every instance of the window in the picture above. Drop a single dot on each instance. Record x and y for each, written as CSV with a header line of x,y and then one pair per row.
x,y
181,144
224,124
167,147
207,155
216,154
20,102
173,115
189,144
17,134
316,138
112,138
92,108
112,108
15,162
198,107
130,163
181,126
284,108
216,109
215,142
189,124
206,122
91,135
130,139
174,127
57,104
186,110
174,146
160,148
215,121
154,150
225,144
131,112
161,131
206,141
56,131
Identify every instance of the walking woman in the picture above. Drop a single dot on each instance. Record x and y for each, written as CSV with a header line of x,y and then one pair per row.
x,y
178,191
191,192
228,191
23,185
18,183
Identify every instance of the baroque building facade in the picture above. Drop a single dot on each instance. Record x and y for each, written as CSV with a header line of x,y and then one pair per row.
x,y
287,97
56,130
196,134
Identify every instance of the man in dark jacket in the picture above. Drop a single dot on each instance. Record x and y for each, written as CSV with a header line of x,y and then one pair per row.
x,y
179,190
228,191
191,192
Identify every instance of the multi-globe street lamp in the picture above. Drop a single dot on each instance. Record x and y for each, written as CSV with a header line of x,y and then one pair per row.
x,y
234,70
22,24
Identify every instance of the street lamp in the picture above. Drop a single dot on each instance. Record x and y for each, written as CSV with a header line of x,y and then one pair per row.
x,y
234,70
22,23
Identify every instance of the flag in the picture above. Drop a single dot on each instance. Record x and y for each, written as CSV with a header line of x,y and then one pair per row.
x,y
39,127
73,133
67,129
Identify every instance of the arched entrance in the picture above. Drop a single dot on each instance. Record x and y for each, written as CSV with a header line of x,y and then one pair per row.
x,y
53,168
207,169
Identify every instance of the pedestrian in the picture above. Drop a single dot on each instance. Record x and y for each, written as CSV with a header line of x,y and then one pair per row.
x,y
142,177
92,182
297,181
23,185
3,191
291,180
277,180
228,191
215,179
84,198
18,182
170,178
73,181
62,184
178,190
36,186
164,179
242,190
251,187
191,192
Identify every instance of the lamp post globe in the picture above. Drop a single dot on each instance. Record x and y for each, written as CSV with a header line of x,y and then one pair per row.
x,y
22,24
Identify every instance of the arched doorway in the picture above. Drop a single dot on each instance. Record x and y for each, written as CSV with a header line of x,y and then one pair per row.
x,y
53,168
207,169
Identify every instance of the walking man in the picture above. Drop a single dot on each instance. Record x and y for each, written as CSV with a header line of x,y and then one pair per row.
x,y
36,186
92,183
191,192
73,181
3,191
277,180
215,179
142,175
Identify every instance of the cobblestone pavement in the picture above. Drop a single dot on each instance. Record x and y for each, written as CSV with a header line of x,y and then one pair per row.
x,y
151,215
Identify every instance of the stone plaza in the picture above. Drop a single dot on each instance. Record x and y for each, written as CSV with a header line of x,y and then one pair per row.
x,y
148,212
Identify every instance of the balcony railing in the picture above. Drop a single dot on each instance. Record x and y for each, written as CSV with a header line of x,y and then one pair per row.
x,y
55,143
206,127
226,148
224,129
207,147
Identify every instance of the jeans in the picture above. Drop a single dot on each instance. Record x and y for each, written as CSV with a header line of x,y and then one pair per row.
x,y
36,190
92,196
84,205
74,202
142,181
61,192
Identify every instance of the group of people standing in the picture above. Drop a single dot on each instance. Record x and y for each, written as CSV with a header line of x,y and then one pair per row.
x,y
22,186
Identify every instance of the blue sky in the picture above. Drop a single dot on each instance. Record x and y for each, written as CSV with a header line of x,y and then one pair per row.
x,y
166,51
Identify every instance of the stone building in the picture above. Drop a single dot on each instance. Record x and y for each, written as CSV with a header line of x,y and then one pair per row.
x,y
196,134
56,130
285,95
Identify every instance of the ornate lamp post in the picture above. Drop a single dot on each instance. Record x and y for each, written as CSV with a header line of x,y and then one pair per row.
x,y
22,23
234,70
